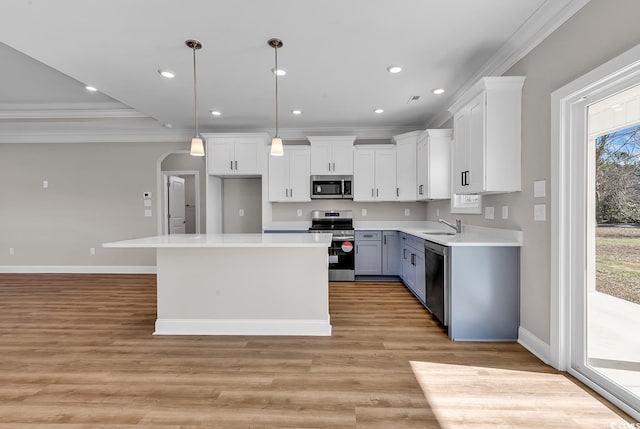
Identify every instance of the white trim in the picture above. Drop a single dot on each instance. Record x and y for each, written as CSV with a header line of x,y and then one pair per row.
x,y
71,114
79,269
243,327
544,21
159,135
534,344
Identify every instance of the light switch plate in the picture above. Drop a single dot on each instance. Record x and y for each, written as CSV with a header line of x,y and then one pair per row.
x,y
539,188
299,213
489,212
407,212
540,212
92,251
364,212
12,251
241,212
45,184
505,212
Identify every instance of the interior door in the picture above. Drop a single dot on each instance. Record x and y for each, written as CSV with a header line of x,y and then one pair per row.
x,y
177,221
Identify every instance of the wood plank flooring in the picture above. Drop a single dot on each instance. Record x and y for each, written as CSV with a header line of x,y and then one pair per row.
x,y
76,351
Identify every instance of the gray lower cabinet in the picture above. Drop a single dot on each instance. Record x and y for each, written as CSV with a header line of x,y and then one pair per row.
x,y
412,261
368,253
484,293
390,253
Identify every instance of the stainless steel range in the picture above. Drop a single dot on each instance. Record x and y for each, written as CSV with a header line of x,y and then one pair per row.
x,y
341,253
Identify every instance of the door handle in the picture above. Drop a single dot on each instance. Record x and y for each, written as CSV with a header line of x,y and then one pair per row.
x,y
462,179
384,239
356,249
329,166
377,192
236,165
404,252
397,192
291,192
286,192
413,259
334,166
231,165
371,192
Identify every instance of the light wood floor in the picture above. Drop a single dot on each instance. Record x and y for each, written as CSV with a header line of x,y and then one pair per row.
x,y
76,351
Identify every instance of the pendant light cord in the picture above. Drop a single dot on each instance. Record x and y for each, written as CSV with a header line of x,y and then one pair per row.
x,y
195,93
276,73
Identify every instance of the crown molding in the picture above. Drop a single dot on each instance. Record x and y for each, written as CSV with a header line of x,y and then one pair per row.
x,y
22,111
544,21
99,136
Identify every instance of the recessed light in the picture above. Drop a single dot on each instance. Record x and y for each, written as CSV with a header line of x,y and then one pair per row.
x,y
438,91
378,111
168,74
91,88
279,72
216,112
296,112
394,69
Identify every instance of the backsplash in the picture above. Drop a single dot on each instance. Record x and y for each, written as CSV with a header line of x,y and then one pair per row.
x,y
288,212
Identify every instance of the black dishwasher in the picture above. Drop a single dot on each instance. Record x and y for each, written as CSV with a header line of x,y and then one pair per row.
x,y
436,261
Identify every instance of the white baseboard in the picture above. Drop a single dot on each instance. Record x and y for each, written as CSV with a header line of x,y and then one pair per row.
x,y
303,327
79,269
534,344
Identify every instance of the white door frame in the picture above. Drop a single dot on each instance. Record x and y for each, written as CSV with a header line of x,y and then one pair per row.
x,y
165,198
569,201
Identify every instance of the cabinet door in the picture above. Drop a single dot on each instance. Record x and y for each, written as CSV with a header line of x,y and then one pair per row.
x,y
420,279
363,175
342,158
477,139
385,175
321,158
460,151
246,156
422,165
279,178
220,156
299,186
391,253
368,258
439,167
406,171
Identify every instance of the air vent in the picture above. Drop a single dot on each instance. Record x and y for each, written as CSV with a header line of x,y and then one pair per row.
x,y
413,99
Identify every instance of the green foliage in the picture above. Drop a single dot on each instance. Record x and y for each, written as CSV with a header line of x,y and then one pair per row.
x,y
618,177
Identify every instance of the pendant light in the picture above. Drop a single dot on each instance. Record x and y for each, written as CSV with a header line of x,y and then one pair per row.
x,y
276,142
197,147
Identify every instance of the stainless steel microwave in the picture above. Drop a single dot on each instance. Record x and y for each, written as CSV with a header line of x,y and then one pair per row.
x,y
331,187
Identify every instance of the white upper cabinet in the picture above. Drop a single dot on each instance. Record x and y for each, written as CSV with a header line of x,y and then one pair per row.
x,y
487,137
235,154
289,175
331,155
434,165
374,173
406,145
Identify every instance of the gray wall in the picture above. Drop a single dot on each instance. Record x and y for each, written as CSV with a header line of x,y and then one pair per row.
x,y
183,162
95,195
245,194
600,31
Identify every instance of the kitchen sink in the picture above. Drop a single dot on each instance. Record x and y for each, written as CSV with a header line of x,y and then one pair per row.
x,y
439,233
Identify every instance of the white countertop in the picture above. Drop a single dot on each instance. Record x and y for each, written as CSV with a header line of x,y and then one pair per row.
x,y
471,235
226,240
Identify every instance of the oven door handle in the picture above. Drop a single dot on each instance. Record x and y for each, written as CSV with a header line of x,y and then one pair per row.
x,y
346,238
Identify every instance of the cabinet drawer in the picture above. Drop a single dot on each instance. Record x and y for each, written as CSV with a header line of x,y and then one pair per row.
x,y
415,242
368,235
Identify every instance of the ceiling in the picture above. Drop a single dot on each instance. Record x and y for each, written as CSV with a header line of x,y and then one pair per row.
x,y
335,53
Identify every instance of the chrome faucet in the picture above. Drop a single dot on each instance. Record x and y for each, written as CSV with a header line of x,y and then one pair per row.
x,y
457,226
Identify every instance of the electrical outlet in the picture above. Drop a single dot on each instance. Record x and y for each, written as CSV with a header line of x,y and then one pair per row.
x,y
147,203
92,251
364,212
505,212
45,184
241,212
147,213
539,188
299,213
12,251
146,195
407,212
489,212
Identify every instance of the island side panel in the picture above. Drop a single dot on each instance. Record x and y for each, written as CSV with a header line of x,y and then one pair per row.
x,y
243,290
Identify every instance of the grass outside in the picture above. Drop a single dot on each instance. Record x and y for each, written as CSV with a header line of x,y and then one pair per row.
x,y
618,262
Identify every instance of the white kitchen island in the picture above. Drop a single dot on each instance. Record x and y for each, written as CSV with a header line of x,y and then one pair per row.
x,y
240,284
